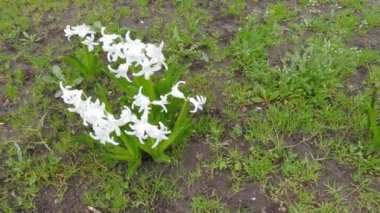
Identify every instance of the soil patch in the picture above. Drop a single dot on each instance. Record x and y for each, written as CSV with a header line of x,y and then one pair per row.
x,y
302,146
196,151
355,84
72,201
251,198
144,24
275,54
334,174
369,40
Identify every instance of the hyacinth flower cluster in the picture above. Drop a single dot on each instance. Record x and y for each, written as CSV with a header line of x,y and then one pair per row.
x,y
157,117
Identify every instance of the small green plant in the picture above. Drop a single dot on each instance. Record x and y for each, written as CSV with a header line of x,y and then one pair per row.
x,y
259,166
29,39
203,204
374,127
235,7
142,3
151,120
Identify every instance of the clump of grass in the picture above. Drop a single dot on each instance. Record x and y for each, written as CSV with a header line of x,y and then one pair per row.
x,y
374,127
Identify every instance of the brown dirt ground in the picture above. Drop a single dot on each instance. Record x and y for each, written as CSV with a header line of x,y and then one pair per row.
x,y
369,40
48,199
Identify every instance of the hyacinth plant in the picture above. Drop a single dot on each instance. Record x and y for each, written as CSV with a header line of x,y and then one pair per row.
x,y
158,113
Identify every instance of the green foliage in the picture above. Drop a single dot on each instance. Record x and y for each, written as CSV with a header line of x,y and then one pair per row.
x,y
142,3
317,70
371,16
86,63
235,7
302,170
374,127
205,205
112,190
259,166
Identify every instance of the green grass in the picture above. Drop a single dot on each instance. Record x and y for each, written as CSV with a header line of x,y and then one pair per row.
x,y
275,129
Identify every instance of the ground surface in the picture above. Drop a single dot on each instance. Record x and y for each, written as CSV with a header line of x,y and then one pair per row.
x,y
285,128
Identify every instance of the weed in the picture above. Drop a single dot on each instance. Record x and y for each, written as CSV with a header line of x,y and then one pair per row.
x,y
374,128
205,205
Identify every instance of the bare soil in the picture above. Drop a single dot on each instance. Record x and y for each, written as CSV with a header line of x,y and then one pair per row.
x,y
356,83
369,40
48,199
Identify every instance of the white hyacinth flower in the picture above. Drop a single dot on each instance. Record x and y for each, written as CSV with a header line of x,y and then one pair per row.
x,y
198,103
127,115
94,114
156,55
73,97
107,39
102,129
121,71
140,127
90,42
134,49
115,52
146,69
115,123
159,134
141,101
175,91
162,102
69,32
103,138
82,30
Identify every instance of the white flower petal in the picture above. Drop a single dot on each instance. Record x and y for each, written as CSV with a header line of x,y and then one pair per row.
x,y
175,91
162,102
121,71
198,103
141,101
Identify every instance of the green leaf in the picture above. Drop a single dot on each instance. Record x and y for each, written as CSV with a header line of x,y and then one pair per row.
x,y
97,25
257,99
183,116
101,93
180,127
162,158
58,73
131,144
49,79
123,84
121,153
119,157
58,94
132,167
148,87
203,56
75,63
176,35
77,81
87,63
83,138
372,122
